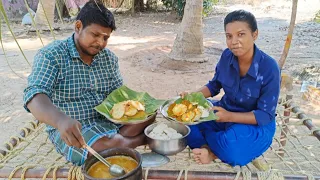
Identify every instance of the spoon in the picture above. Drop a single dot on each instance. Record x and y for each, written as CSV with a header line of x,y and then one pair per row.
x,y
115,170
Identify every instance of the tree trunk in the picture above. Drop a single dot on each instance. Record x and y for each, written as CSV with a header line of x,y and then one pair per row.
x,y
133,7
289,36
136,6
188,45
45,14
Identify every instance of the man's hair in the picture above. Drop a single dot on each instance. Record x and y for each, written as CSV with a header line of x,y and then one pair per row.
x,y
241,15
94,12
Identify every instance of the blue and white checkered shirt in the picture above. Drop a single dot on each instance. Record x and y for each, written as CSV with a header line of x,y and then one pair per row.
x,y
73,86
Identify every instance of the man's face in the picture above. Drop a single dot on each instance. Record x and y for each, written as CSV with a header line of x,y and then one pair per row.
x,y
92,39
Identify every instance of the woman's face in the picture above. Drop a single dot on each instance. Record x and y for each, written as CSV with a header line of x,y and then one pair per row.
x,y
240,38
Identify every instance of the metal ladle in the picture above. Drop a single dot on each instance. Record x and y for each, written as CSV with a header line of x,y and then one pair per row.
x,y
114,169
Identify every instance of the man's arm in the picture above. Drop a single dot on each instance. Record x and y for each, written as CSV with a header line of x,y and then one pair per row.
x,y
41,84
42,109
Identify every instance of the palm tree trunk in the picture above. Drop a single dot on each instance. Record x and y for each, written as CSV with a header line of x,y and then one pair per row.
x,y
188,45
45,13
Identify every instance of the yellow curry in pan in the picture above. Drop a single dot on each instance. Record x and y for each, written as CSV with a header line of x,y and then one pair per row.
x,y
99,170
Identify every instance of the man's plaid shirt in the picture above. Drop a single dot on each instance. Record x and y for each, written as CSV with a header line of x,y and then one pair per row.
x,y
73,86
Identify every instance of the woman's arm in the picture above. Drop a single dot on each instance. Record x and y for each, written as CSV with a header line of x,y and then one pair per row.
x,y
205,91
235,117
267,102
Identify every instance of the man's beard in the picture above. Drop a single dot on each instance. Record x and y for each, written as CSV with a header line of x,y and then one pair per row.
x,y
87,52
84,50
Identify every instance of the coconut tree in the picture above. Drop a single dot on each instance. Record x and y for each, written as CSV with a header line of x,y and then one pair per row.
x,y
45,14
4,17
188,45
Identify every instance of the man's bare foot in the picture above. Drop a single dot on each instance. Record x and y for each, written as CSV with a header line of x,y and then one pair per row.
x,y
203,155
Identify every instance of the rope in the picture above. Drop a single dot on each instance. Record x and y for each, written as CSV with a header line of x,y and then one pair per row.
x,y
46,173
10,145
270,176
78,173
180,174
26,132
186,174
299,151
34,124
13,153
24,170
146,174
13,172
259,164
54,172
238,175
314,131
15,138
75,173
310,176
246,175
70,173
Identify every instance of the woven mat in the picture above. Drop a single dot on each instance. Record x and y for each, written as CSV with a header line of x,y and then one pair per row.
x,y
301,154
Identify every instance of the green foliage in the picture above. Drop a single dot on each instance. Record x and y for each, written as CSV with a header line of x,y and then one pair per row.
x,y
178,6
208,6
317,17
6,20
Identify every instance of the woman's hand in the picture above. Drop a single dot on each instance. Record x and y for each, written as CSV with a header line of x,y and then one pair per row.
x,y
223,115
183,94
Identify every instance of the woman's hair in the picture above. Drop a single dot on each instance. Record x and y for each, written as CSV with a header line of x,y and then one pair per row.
x,y
241,15
94,12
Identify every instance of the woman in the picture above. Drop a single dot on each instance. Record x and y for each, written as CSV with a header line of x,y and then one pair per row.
x,y
246,113
73,7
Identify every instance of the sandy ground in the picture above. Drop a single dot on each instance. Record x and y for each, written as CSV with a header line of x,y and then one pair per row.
x,y
143,42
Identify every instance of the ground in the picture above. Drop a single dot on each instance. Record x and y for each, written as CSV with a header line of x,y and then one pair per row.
x,y
143,43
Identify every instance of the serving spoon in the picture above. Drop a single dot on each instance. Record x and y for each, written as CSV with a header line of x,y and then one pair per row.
x,y
115,170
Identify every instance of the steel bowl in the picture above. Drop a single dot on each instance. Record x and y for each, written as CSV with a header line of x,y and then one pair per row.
x,y
164,108
168,147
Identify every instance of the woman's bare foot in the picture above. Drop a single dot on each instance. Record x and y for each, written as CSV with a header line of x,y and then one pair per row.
x,y
203,155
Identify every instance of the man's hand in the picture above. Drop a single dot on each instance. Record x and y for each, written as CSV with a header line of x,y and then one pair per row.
x,y
70,132
43,110
223,115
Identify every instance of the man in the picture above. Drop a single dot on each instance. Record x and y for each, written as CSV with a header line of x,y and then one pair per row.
x,y
69,78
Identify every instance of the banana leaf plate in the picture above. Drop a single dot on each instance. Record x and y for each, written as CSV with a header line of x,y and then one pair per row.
x,y
124,93
193,97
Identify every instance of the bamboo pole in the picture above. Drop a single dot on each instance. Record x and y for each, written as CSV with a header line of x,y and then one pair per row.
x,y
306,120
152,174
284,131
23,133
289,36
